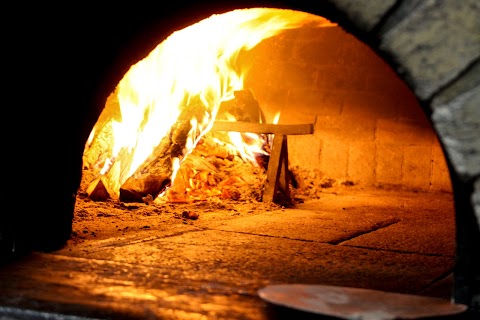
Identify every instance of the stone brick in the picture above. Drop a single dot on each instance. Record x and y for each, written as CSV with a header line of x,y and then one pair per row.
x,y
476,202
456,117
295,116
383,79
304,151
370,104
409,107
422,43
272,49
333,159
320,53
402,9
365,14
467,82
324,34
361,163
404,132
270,99
281,74
296,75
440,180
389,158
416,168
358,54
262,73
342,78
312,101
346,128
459,125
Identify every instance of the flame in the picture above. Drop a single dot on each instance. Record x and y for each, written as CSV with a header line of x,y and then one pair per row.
x,y
193,69
276,118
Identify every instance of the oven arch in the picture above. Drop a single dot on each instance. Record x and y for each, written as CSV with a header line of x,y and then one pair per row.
x,y
112,42
443,96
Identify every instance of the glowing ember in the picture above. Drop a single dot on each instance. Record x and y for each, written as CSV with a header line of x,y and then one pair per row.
x,y
175,95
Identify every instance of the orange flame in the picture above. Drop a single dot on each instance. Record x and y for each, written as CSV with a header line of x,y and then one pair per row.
x,y
193,66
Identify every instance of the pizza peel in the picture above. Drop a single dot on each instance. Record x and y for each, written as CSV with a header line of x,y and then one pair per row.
x,y
357,303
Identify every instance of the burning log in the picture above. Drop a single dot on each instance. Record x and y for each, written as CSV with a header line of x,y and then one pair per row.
x,y
153,175
195,179
206,170
197,176
136,189
210,150
243,108
97,191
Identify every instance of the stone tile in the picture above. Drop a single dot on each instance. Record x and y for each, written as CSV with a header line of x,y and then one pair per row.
x,y
213,269
230,257
430,237
308,225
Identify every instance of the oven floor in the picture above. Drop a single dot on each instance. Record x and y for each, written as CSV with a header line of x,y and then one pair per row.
x,y
165,266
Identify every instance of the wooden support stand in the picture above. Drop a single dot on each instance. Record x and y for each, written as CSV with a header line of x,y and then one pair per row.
x,y
277,172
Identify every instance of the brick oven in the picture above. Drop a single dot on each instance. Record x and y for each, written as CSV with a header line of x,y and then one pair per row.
x,y
379,186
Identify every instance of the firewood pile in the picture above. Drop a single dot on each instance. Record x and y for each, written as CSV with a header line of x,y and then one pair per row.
x,y
213,168
215,171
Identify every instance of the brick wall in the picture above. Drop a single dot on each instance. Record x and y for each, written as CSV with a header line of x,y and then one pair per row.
x,y
370,129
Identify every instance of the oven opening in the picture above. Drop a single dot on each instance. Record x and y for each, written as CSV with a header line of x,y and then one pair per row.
x,y
259,146
186,140
280,110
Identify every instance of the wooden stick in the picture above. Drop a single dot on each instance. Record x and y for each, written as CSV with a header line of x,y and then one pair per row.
x,y
277,173
252,127
274,168
284,178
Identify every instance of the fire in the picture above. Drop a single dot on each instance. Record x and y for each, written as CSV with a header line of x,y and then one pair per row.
x,y
185,79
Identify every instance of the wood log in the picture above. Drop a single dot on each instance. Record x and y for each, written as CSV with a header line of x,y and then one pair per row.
x,y
243,107
277,173
266,128
135,190
159,164
153,175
